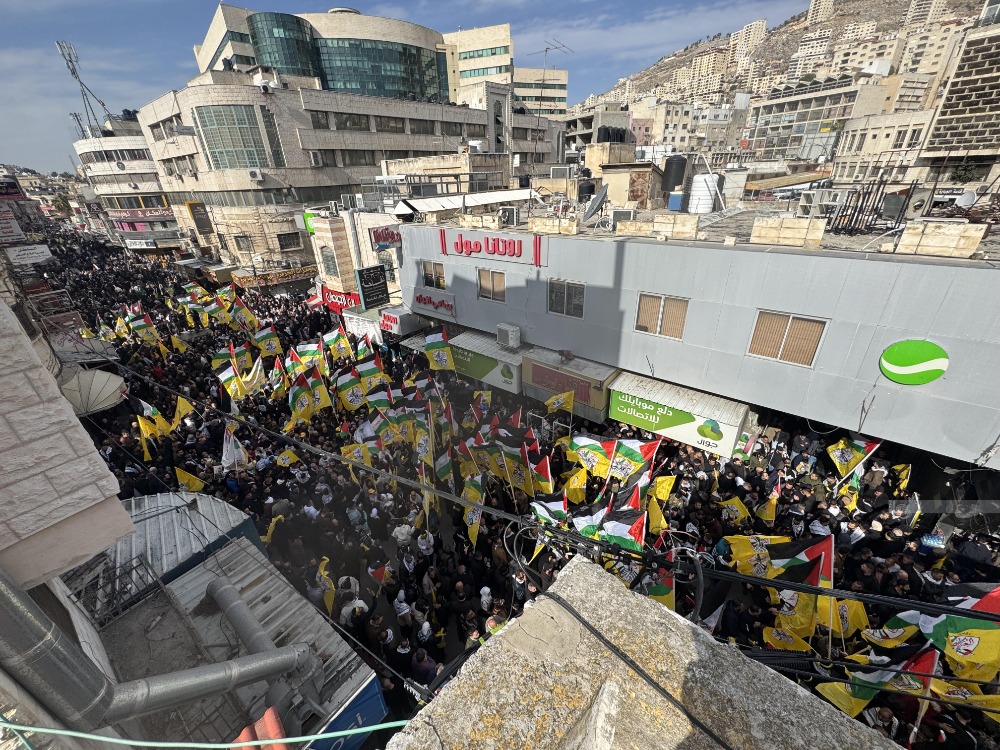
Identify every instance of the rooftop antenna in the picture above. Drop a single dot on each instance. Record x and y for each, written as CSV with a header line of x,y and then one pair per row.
x,y
72,60
550,46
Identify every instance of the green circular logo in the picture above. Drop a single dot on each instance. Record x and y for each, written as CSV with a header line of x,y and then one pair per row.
x,y
913,362
506,372
710,429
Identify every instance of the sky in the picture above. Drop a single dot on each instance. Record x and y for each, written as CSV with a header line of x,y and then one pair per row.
x,y
132,51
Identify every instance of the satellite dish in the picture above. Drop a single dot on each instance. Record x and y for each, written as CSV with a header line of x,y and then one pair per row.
x,y
596,203
966,199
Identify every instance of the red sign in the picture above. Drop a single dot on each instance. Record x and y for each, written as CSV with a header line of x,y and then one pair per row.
x,y
510,249
560,382
389,322
337,301
384,238
437,304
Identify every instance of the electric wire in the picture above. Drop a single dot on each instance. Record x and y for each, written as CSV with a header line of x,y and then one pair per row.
x,y
25,742
203,745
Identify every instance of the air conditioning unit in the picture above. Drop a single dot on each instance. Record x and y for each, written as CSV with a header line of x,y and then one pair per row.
x,y
294,263
315,159
256,175
982,190
508,335
509,216
134,185
560,173
621,214
120,165
858,177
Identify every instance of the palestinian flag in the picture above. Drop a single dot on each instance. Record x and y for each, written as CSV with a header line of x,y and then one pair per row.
x,y
380,398
630,456
785,557
847,453
437,350
238,354
542,476
279,379
364,348
311,353
442,466
151,412
195,290
663,589
588,521
550,508
217,309
143,328
907,676
518,472
230,378
515,419
531,441
338,343
266,339
370,371
593,455
300,400
626,528
895,631
352,396
421,381
967,639
294,364
132,308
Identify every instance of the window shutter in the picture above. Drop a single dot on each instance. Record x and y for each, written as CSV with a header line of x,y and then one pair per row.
x,y
674,315
802,341
499,286
647,317
485,286
768,334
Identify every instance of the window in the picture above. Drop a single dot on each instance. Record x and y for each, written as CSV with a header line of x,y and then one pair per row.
x,y
897,142
488,52
492,285
421,127
289,241
433,274
389,124
663,316
231,136
329,259
476,72
345,121
243,243
914,137
787,338
358,158
475,130
223,244
451,128
566,298
320,119
390,154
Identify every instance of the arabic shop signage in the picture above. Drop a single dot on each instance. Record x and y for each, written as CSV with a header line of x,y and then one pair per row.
x,y
676,424
372,286
386,238
527,250
503,375
337,301
389,322
437,303
200,216
133,213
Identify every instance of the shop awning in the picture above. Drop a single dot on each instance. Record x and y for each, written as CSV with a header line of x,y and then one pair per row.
x,y
91,391
414,343
684,414
469,200
481,343
479,356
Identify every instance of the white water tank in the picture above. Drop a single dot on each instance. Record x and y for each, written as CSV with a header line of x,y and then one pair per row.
x,y
703,191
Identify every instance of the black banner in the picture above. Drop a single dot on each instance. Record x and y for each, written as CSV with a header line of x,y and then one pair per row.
x,y
372,286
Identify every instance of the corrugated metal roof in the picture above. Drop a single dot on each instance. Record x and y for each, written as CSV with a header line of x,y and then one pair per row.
x,y
285,615
584,367
785,181
697,402
448,202
482,343
415,342
168,532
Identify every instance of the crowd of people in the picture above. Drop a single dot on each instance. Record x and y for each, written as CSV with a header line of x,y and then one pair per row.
x,y
410,585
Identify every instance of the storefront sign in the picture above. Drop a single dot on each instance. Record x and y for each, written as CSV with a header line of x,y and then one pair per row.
x,y
25,255
94,208
10,190
200,217
558,381
372,286
478,366
913,362
386,238
252,281
336,300
130,214
526,250
140,244
10,230
437,303
716,437
307,221
389,322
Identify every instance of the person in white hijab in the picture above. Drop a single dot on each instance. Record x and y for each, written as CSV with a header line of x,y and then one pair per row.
x,y
403,614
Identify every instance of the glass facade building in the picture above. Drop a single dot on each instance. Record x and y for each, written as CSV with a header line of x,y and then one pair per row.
x,y
370,67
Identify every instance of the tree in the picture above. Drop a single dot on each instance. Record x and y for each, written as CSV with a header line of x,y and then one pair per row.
x,y
61,204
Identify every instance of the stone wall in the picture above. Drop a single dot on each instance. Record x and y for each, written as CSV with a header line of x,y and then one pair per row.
x,y
59,499
951,239
787,231
552,225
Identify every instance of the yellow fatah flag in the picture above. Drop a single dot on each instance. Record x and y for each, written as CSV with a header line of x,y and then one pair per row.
x,y
734,510
182,409
663,486
87,333
849,617
188,481
270,529
767,510
657,522
562,401
149,432
576,486
179,346
473,516
164,352
841,696
357,452
797,613
903,472
287,458
750,552
784,640
329,590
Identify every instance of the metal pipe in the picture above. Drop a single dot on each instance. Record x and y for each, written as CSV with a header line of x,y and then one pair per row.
x,y
41,658
150,694
237,611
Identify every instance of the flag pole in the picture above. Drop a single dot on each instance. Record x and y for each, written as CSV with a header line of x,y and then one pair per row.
x,y
860,463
